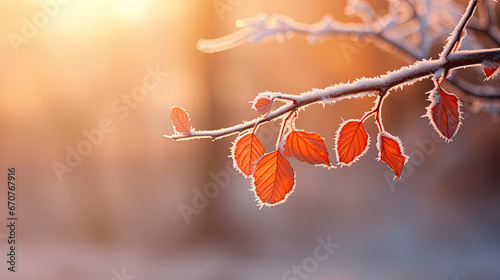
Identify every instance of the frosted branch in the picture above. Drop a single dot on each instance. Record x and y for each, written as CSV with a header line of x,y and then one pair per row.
x,y
428,19
279,27
458,33
359,88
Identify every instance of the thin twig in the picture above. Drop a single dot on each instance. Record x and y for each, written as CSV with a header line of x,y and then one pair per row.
x,y
456,35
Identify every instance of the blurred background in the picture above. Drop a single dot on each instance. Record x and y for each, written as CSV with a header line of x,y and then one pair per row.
x,y
117,212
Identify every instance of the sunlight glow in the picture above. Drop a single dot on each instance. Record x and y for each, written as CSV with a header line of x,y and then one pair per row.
x,y
130,8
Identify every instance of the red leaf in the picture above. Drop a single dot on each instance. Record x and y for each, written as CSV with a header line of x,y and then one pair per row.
x,y
391,152
489,68
351,142
444,112
263,104
274,179
181,121
246,150
306,147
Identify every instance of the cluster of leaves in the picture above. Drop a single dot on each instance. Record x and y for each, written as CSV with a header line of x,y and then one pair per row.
x,y
272,175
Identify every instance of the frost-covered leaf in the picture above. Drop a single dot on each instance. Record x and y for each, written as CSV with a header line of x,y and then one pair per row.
x,y
263,104
490,68
391,152
306,147
444,112
181,121
247,149
274,179
351,142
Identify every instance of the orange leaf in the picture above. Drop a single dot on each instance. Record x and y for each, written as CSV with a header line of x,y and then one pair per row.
x,y
263,104
246,150
181,121
391,152
306,147
490,68
444,112
351,142
274,179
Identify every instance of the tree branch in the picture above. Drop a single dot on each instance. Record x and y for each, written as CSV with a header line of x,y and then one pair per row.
x,y
280,27
359,88
458,34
